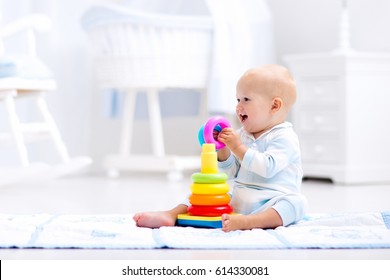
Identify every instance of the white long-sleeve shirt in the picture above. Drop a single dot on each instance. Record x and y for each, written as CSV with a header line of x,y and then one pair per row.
x,y
269,175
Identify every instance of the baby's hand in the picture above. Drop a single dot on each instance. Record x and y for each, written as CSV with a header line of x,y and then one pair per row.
x,y
229,137
232,140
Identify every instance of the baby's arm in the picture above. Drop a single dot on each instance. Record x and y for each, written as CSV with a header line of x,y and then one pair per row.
x,y
223,154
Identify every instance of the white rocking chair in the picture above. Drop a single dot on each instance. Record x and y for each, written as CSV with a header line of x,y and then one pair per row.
x,y
24,76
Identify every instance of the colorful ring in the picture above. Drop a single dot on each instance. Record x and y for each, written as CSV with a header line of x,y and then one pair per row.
x,y
206,132
201,133
206,178
209,130
209,211
205,199
209,188
200,136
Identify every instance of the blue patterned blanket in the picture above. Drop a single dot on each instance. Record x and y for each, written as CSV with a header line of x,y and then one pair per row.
x,y
315,231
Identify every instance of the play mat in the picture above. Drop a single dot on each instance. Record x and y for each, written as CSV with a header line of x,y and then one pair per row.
x,y
315,231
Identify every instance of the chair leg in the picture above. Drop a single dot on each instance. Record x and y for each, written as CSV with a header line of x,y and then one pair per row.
x,y
16,131
53,129
127,122
155,123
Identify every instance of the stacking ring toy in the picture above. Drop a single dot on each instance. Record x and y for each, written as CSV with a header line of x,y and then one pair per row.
x,y
204,199
209,188
206,132
210,211
201,133
213,178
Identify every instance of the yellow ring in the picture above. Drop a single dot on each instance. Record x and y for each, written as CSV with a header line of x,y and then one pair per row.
x,y
209,188
212,178
204,199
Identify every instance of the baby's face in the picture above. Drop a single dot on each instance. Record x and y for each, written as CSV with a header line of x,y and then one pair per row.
x,y
253,108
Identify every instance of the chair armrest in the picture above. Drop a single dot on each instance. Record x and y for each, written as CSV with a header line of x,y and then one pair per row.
x,y
38,22
28,24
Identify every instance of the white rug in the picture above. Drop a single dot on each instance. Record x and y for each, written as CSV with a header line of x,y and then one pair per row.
x,y
73,231
316,231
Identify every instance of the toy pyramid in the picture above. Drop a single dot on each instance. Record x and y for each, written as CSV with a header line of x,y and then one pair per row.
x,y
209,198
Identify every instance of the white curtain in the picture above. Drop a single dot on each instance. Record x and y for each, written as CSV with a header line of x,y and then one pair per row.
x,y
243,39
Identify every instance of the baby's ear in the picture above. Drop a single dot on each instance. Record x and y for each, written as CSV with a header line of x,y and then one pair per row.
x,y
277,104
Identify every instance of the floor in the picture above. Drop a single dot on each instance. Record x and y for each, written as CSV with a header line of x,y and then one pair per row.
x,y
97,194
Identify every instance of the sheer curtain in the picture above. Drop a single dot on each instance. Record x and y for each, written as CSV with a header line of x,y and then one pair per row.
x,y
243,39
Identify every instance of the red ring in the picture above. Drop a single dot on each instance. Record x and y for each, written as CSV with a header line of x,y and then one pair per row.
x,y
209,211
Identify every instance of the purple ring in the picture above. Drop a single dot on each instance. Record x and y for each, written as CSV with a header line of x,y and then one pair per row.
x,y
209,130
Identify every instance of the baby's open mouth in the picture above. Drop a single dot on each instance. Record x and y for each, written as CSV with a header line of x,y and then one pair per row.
x,y
243,117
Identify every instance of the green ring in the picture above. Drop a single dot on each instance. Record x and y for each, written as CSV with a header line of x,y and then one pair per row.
x,y
206,178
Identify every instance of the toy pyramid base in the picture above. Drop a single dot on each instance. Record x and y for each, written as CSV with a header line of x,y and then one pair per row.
x,y
187,220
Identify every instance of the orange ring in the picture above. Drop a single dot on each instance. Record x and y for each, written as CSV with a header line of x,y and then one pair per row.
x,y
210,211
204,199
209,188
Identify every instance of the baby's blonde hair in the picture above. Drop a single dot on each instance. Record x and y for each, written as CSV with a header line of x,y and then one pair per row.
x,y
273,80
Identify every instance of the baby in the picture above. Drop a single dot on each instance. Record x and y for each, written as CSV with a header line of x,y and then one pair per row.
x,y
263,157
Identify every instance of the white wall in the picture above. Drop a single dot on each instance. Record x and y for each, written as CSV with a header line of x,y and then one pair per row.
x,y
300,26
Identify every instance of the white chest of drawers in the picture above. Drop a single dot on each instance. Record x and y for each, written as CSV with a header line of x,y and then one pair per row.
x,y
342,115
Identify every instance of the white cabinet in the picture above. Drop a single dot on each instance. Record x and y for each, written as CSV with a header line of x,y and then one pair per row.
x,y
342,115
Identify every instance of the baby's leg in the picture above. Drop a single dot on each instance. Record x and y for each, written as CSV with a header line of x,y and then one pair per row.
x,y
160,218
267,219
154,219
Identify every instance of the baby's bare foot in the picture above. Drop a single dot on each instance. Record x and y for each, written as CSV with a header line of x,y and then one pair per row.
x,y
233,222
154,219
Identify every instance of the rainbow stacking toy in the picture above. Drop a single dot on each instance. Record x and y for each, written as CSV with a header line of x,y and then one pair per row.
x,y
209,198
